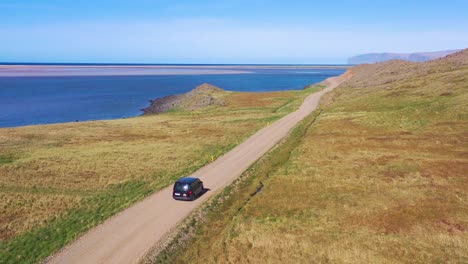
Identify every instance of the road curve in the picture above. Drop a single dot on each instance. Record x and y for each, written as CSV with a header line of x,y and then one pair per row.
x,y
126,237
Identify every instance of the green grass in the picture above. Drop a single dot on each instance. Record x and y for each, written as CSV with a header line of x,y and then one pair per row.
x,y
4,159
380,177
66,178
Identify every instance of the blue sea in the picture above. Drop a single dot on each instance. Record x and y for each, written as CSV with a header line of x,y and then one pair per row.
x,y
35,100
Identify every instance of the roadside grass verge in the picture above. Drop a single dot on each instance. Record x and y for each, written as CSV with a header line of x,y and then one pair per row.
x,y
379,178
57,181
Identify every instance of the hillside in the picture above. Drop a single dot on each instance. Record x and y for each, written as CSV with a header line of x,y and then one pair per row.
x,y
414,57
386,73
378,176
202,96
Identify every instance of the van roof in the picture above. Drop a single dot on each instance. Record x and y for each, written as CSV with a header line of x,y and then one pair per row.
x,y
187,179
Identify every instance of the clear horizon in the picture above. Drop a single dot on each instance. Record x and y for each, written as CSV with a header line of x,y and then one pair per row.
x,y
214,32
6,63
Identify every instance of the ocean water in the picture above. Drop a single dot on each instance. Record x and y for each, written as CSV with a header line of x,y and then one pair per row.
x,y
55,99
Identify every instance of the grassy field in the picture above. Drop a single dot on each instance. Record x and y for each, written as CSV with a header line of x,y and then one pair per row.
x,y
57,181
379,177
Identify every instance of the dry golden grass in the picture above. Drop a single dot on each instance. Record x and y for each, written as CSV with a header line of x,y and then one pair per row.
x,y
47,170
269,99
25,210
381,177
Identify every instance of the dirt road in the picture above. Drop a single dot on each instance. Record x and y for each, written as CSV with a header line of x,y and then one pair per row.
x,y
126,237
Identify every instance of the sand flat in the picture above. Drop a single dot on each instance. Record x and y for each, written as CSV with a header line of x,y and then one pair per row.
x,y
26,70
111,70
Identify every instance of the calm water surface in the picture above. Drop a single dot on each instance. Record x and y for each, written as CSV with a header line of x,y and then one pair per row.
x,y
45,100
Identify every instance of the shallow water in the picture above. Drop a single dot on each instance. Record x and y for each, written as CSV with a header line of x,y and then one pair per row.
x,y
55,99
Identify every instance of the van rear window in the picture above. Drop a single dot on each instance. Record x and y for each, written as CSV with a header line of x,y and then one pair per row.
x,y
181,187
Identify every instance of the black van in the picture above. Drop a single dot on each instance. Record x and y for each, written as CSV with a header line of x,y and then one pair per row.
x,y
187,188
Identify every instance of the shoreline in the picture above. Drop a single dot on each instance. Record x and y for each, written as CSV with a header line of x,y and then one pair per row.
x,y
49,72
142,112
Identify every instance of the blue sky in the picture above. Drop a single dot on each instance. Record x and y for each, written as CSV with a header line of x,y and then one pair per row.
x,y
206,31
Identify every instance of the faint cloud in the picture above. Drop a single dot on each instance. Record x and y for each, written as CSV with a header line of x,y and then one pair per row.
x,y
211,39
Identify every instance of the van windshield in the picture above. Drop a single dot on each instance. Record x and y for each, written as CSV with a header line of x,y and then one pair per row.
x,y
181,187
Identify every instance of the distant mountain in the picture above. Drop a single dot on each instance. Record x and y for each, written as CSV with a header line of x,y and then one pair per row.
x,y
383,74
415,57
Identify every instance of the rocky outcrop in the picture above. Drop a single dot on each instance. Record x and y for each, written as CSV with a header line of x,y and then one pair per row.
x,y
202,96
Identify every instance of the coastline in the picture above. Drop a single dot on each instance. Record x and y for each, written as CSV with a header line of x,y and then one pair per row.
x,y
40,88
